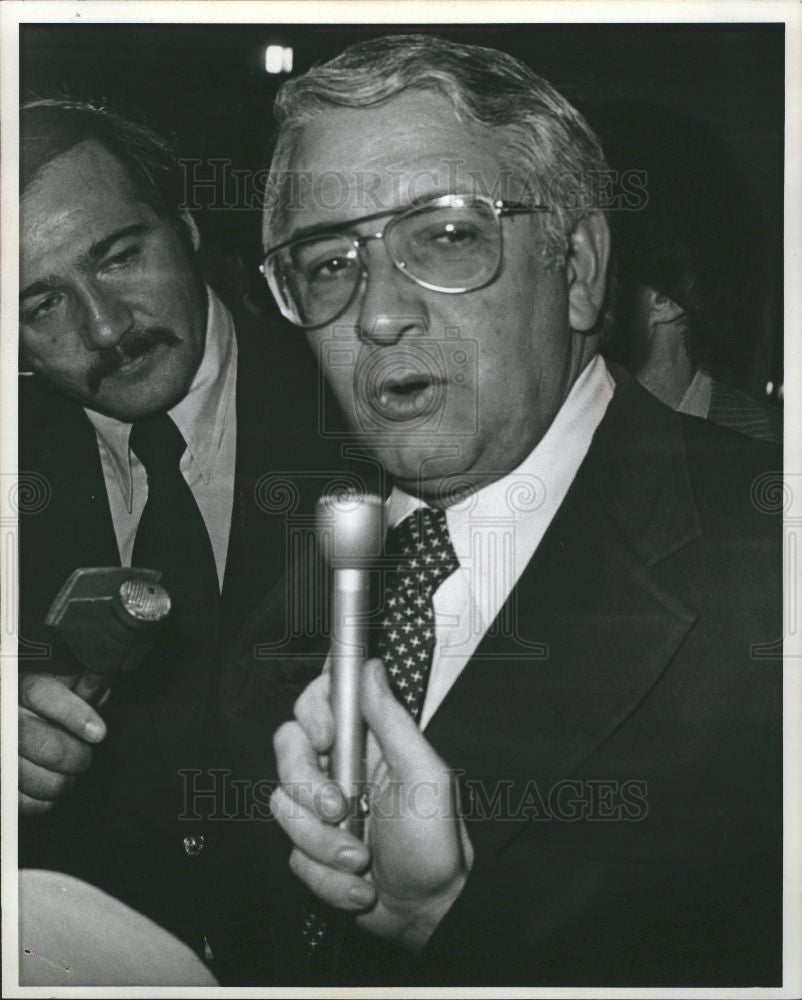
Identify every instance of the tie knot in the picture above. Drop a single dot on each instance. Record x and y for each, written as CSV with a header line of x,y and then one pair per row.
x,y
157,443
423,542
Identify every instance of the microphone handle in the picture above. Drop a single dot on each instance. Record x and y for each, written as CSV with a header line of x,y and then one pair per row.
x,y
350,605
90,686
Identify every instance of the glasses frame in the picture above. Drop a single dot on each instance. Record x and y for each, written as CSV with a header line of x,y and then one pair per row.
x,y
499,207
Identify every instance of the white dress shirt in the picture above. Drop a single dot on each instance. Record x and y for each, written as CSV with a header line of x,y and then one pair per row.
x,y
207,419
496,530
696,401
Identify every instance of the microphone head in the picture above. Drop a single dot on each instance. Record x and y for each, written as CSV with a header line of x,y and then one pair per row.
x,y
350,529
142,603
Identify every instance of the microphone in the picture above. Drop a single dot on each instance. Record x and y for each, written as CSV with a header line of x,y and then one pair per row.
x,y
109,617
350,532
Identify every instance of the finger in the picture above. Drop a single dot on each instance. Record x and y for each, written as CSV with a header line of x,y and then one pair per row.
x,y
301,777
50,698
313,713
337,888
39,783
406,751
91,687
50,747
33,807
325,843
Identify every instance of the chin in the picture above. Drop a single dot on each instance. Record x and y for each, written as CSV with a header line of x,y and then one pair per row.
x,y
138,406
432,477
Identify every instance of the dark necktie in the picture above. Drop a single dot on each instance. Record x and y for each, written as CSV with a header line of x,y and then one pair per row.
x,y
172,537
425,557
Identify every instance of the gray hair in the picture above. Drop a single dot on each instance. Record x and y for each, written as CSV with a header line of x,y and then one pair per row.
x,y
541,136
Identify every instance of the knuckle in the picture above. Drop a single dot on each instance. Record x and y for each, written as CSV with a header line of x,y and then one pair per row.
x,y
314,716
27,725
34,807
40,784
297,866
49,747
28,683
80,757
311,698
59,784
276,804
285,742
56,747
283,736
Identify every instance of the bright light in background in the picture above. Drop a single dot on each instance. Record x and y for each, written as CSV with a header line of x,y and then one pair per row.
x,y
278,59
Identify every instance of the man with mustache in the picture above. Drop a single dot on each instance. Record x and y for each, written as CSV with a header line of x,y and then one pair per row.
x,y
148,422
573,697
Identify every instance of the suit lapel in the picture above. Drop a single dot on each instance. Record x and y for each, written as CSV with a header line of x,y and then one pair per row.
x,y
72,527
283,463
589,627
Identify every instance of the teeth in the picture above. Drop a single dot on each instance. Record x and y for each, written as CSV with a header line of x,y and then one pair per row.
x,y
408,396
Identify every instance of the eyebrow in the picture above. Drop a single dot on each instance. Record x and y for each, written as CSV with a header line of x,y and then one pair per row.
x,y
95,252
320,228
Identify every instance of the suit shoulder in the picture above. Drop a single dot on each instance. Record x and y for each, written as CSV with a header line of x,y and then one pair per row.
x,y
43,412
735,479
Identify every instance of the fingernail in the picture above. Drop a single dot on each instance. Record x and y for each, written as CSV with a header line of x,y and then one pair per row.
x,y
94,731
331,799
351,857
361,894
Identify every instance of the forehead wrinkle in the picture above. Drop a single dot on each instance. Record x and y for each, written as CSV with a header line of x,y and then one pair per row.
x,y
75,203
387,162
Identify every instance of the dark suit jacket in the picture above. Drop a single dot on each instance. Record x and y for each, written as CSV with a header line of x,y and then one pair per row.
x,y
618,746
119,828
734,409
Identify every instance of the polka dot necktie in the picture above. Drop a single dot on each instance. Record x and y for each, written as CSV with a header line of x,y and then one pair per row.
x,y
426,559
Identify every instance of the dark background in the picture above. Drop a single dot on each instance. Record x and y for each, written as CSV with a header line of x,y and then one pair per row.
x,y
205,86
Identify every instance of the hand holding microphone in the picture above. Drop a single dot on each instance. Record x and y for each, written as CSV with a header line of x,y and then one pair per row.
x,y
418,854
109,618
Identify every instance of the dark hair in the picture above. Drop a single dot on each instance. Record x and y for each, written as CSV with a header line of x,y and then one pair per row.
x,y
52,127
697,237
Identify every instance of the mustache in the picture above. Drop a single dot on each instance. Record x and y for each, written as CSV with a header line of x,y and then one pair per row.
x,y
136,343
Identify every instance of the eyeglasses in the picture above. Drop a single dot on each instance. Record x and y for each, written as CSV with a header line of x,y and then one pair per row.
x,y
451,244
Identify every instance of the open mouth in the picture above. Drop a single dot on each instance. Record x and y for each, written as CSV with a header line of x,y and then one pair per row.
x,y
407,396
132,364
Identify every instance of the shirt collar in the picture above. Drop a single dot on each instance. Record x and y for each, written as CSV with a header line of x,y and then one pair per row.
x,y
540,482
200,415
696,401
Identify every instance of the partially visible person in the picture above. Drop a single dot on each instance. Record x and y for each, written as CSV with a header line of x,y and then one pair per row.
x,y
689,266
72,934
152,421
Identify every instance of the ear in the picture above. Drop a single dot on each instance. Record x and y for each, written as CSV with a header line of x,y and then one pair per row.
x,y
192,229
586,271
662,309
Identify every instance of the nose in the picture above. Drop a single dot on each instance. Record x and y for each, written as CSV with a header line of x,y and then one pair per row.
x,y
106,317
391,306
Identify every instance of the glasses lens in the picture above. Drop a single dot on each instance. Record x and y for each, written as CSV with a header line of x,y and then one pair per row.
x,y
313,280
453,246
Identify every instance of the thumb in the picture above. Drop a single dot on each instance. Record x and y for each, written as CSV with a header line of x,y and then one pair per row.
x,y
402,745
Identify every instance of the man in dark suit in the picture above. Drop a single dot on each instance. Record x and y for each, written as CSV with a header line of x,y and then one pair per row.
x,y
574,715
126,341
